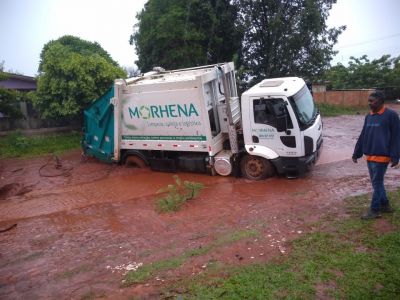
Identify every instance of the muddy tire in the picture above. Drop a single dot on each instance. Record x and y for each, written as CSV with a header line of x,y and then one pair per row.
x,y
256,167
135,161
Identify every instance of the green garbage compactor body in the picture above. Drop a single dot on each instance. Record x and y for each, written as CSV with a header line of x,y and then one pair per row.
x,y
98,130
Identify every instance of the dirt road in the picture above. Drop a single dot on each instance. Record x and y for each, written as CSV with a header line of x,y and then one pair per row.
x,y
78,227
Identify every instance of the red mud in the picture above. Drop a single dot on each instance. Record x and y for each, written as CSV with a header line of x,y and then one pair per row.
x,y
74,229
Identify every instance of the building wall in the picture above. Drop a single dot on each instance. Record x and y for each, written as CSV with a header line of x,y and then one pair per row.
x,y
348,98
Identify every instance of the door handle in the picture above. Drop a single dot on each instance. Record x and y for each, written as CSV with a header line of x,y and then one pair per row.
x,y
255,139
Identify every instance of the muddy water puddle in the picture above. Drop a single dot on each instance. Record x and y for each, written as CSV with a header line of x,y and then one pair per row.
x,y
76,251
114,188
76,234
62,251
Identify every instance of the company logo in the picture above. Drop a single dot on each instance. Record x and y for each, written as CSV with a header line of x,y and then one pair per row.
x,y
163,111
144,112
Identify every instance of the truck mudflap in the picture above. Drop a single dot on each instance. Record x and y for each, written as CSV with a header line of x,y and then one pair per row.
x,y
98,130
293,167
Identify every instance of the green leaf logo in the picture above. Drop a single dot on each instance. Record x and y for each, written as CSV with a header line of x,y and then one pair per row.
x,y
144,112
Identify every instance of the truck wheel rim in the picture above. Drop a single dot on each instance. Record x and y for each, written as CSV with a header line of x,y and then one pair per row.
x,y
254,167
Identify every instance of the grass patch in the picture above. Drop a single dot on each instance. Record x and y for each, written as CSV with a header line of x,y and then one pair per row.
x,y
329,110
225,239
146,272
19,145
346,259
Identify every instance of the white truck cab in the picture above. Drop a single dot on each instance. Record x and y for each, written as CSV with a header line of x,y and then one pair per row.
x,y
282,125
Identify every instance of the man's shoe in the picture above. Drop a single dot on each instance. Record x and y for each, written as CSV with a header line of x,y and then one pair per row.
x,y
387,209
371,215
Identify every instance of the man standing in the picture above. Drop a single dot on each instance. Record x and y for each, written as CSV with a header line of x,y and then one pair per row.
x,y
379,141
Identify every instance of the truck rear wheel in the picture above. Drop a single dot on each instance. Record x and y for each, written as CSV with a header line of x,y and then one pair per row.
x,y
135,162
256,167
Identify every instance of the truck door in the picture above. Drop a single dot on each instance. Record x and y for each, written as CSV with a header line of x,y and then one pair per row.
x,y
274,128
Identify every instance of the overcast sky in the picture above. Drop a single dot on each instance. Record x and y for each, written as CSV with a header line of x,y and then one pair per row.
x,y
373,28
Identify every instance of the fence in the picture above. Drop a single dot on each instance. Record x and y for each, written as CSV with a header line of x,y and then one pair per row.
x,y
32,124
348,98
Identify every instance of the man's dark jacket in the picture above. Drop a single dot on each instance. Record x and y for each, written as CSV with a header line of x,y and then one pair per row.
x,y
380,136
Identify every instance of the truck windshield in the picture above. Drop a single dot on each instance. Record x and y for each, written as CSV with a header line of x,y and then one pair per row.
x,y
304,107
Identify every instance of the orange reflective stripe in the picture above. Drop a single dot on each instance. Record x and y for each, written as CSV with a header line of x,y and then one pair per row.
x,y
376,158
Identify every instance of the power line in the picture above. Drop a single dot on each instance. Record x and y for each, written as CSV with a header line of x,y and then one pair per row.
x,y
370,41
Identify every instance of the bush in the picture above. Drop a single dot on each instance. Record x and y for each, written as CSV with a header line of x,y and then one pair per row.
x,y
175,195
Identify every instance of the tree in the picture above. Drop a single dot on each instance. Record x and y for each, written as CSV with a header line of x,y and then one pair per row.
x,y
72,73
185,33
364,73
76,45
286,37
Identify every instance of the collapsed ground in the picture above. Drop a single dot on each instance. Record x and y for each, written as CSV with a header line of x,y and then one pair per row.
x,y
80,227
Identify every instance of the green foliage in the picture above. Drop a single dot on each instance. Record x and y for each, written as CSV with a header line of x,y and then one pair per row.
x,y
178,33
9,103
75,45
19,145
9,99
175,195
18,141
364,73
285,37
73,73
344,259
330,110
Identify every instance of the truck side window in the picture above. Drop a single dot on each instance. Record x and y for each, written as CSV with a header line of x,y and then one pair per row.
x,y
264,112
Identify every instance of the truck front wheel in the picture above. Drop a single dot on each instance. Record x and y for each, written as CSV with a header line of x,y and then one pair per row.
x,y
256,167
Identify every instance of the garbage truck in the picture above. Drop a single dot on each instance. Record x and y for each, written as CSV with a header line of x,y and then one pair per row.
x,y
193,120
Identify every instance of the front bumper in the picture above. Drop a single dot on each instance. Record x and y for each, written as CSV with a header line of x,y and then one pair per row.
x,y
295,166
